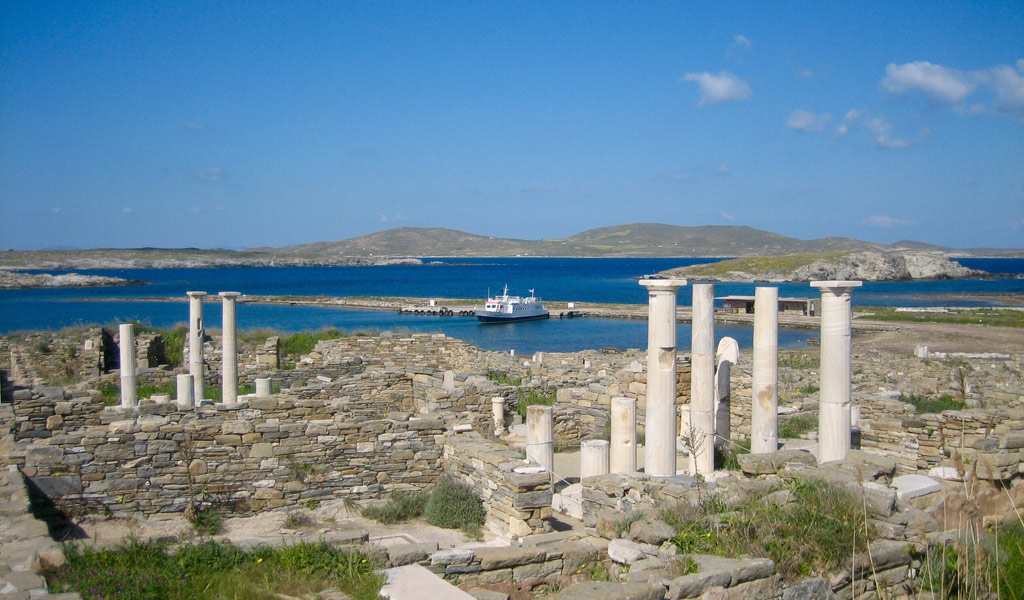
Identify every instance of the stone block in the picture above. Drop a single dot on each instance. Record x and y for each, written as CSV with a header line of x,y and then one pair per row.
x,y
407,554
627,552
912,486
607,590
535,571
499,558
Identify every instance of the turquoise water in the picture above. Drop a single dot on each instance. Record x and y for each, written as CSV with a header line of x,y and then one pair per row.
x,y
592,280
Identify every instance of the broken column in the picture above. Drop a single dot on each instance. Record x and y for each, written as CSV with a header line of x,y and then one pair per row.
x,y
834,398
229,354
727,355
127,342
660,451
195,343
498,414
540,436
764,417
185,390
622,450
263,387
702,381
594,459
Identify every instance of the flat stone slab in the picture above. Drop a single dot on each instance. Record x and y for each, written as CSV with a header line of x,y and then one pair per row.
x,y
945,473
413,582
912,486
606,590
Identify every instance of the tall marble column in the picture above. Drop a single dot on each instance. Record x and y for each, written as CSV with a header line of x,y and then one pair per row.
x,y
622,452
594,458
764,417
540,436
727,355
126,332
835,369
229,354
660,451
195,343
702,379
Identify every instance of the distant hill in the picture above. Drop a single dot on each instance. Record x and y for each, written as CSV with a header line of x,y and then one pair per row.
x,y
636,239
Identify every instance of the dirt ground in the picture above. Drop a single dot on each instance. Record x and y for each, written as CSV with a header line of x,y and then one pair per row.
x,y
941,337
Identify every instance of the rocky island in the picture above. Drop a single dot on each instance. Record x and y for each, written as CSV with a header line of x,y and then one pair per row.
x,y
14,280
862,266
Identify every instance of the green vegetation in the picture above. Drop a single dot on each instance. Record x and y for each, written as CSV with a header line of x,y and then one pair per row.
x,y
504,378
725,457
111,394
992,564
450,504
174,341
928,405
995,317
816,532
759,264
210,570
798,360
293,346
792,427
808,389
531,398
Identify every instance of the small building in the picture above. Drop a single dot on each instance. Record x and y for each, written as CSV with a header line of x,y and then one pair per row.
x,y
791,306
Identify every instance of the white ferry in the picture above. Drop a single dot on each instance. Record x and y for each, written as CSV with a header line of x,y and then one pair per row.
x,y
506,309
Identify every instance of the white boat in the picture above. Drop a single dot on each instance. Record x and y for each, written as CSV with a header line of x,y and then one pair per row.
x,y
506,309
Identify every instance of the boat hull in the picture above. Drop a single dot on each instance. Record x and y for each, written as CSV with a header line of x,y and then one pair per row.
x,y
490,318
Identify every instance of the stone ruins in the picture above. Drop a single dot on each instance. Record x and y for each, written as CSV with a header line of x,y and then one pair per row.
x,y
361,417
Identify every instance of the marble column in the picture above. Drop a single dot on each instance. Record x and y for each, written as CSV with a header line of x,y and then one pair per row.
x,y
702,379
540,436
727,355
186,388
498,414
229,353
126,340
594,458
660,451
263,387
764,417
835,369
622,453
195,343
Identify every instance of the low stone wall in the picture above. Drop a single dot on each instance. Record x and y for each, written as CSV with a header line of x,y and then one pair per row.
x,y
516,493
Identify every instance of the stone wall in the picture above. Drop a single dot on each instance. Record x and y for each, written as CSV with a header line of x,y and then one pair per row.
x,y
516,493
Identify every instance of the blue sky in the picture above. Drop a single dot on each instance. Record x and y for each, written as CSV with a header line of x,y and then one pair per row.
x,y
244,124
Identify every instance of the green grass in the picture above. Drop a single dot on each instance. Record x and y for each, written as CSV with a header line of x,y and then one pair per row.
x,y
504,378
928,405
725,457
451,505
990,566
814,534
757,264
174,341
531,398
798,360
995,317
402,506
210,570
792,427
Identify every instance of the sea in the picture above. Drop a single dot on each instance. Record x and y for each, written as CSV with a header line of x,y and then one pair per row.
x,y
609,280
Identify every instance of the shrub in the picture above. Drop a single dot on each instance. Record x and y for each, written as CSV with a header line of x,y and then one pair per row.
x,y
454,505
928,405
402,506
531,398
504,378
793,427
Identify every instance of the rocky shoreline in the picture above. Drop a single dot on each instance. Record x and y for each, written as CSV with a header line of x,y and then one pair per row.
x,y
13,280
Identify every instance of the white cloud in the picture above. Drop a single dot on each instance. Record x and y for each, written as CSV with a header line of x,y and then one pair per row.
x,y
719,88
1008,83
883,134
808,122
805,74
127,210
852,116
886,222
742,41
56,210
727,216
724,170
194,126
211,174
941,83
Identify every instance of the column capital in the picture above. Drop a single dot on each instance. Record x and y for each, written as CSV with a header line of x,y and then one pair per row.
x,y
196,294
229,295
662,285
836,286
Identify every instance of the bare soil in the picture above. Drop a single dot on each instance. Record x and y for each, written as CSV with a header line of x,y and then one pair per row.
x,y
941,337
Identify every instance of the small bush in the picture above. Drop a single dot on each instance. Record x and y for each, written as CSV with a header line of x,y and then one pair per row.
x,y
504,378
402,506
928,405
793,427
297,344
207,521
454,505
531,398
111,394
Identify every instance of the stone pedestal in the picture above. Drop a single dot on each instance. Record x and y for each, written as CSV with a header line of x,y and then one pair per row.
x,y
263,387
764,418
229,354
540,436
727,355
702,380
594,458
660,451
126,331
622,451
498,414
186,387
835,369
195,343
